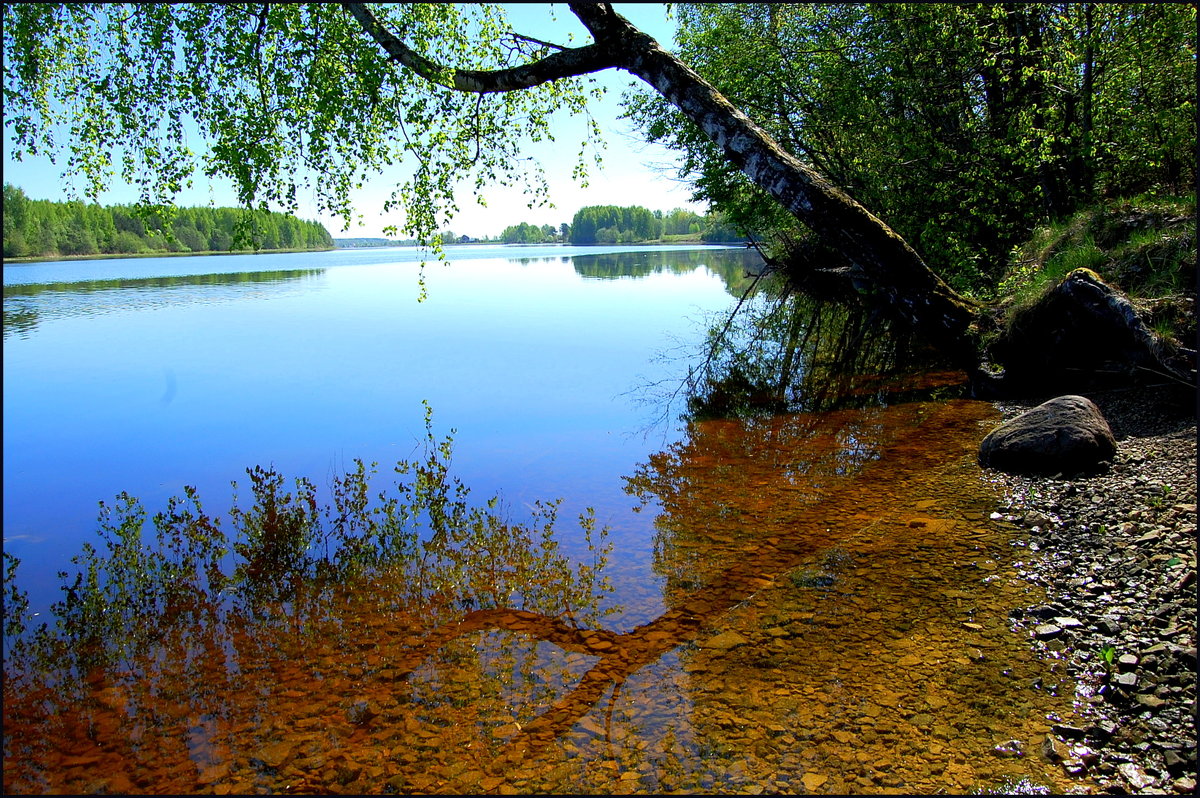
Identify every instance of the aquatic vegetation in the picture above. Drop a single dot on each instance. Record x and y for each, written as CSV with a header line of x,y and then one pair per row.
x,y
294,557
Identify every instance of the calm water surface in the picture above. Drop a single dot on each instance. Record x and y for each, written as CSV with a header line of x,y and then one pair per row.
x,y
145,375
805,603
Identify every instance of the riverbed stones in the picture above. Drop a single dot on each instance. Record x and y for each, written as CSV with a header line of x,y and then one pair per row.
x,y
725,640
1054,750
813,781
1119,565
1047,631
1009,749
1066,435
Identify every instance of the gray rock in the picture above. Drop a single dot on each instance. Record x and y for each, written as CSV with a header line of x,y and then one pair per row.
x,y
1135,776
1009,749
1175,763
1047,631
1068,731
1126,680
1150,701
1102,730
1064,435
1083,334
1054,750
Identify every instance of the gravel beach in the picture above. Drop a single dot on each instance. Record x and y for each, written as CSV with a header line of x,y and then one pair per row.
x,y
1116,555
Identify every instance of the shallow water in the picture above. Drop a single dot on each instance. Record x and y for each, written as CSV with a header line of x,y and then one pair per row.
x,y
832,619
147,375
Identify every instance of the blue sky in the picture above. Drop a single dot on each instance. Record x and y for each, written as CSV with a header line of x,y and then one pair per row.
x,y
633,173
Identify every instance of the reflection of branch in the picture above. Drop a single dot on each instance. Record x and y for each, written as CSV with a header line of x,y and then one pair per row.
x,y
620,654
715,345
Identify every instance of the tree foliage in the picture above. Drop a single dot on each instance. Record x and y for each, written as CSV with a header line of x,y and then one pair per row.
x,y
43,228
962,125
526,233
612,224
285,100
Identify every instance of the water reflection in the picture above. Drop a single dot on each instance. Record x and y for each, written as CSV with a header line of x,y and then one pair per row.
x,y
831,586
782,351
731,265
28,304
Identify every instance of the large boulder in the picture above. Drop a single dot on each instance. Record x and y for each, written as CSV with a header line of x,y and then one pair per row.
x,y
1066,435
1082,335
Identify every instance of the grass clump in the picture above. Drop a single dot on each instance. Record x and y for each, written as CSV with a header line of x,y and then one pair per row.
x,y
1145,246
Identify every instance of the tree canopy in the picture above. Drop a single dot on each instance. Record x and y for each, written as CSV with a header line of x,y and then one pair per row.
x,y
526,233
962,125
286,98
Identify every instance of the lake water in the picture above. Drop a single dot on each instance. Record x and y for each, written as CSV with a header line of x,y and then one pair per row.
x,y
807,602
143,375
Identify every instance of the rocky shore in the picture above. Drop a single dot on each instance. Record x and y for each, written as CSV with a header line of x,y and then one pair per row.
x,y
1116,554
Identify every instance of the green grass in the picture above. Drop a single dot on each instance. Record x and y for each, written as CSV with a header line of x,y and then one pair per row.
x,y
1146,246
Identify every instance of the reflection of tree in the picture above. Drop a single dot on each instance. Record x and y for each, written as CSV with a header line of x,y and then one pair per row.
x,y
780,350
154,635
19,320
376,673
460,651
27,304
771,491
731,265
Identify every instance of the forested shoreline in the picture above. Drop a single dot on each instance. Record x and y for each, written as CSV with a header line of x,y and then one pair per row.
x,y
632,224
48,229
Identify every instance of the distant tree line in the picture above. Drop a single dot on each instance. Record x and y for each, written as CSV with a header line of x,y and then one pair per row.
x,y
44,228
612,224
525,233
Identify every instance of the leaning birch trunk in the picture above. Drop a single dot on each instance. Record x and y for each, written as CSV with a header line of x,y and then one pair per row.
x,y
884,269
887,270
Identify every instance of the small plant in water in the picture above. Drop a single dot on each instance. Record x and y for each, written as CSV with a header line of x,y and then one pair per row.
x,y
825,573
1022,786
294,555
1108,655
809,578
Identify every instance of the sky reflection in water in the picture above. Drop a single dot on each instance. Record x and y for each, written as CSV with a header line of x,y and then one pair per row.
x,y
145,375
807,599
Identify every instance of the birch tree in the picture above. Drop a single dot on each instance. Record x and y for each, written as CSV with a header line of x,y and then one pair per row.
x,y
279,92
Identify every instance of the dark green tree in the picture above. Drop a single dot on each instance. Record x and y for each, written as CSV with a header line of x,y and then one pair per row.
x,y
45,228
963,125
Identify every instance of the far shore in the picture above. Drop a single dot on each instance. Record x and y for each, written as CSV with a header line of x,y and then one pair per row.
x,y
120,255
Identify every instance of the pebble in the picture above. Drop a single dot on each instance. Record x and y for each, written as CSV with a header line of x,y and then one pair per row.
x,y
725,640
1116,555
1009,749
1047,631
813,781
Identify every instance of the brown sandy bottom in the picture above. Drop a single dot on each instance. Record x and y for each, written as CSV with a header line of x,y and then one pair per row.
x,y
835,621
